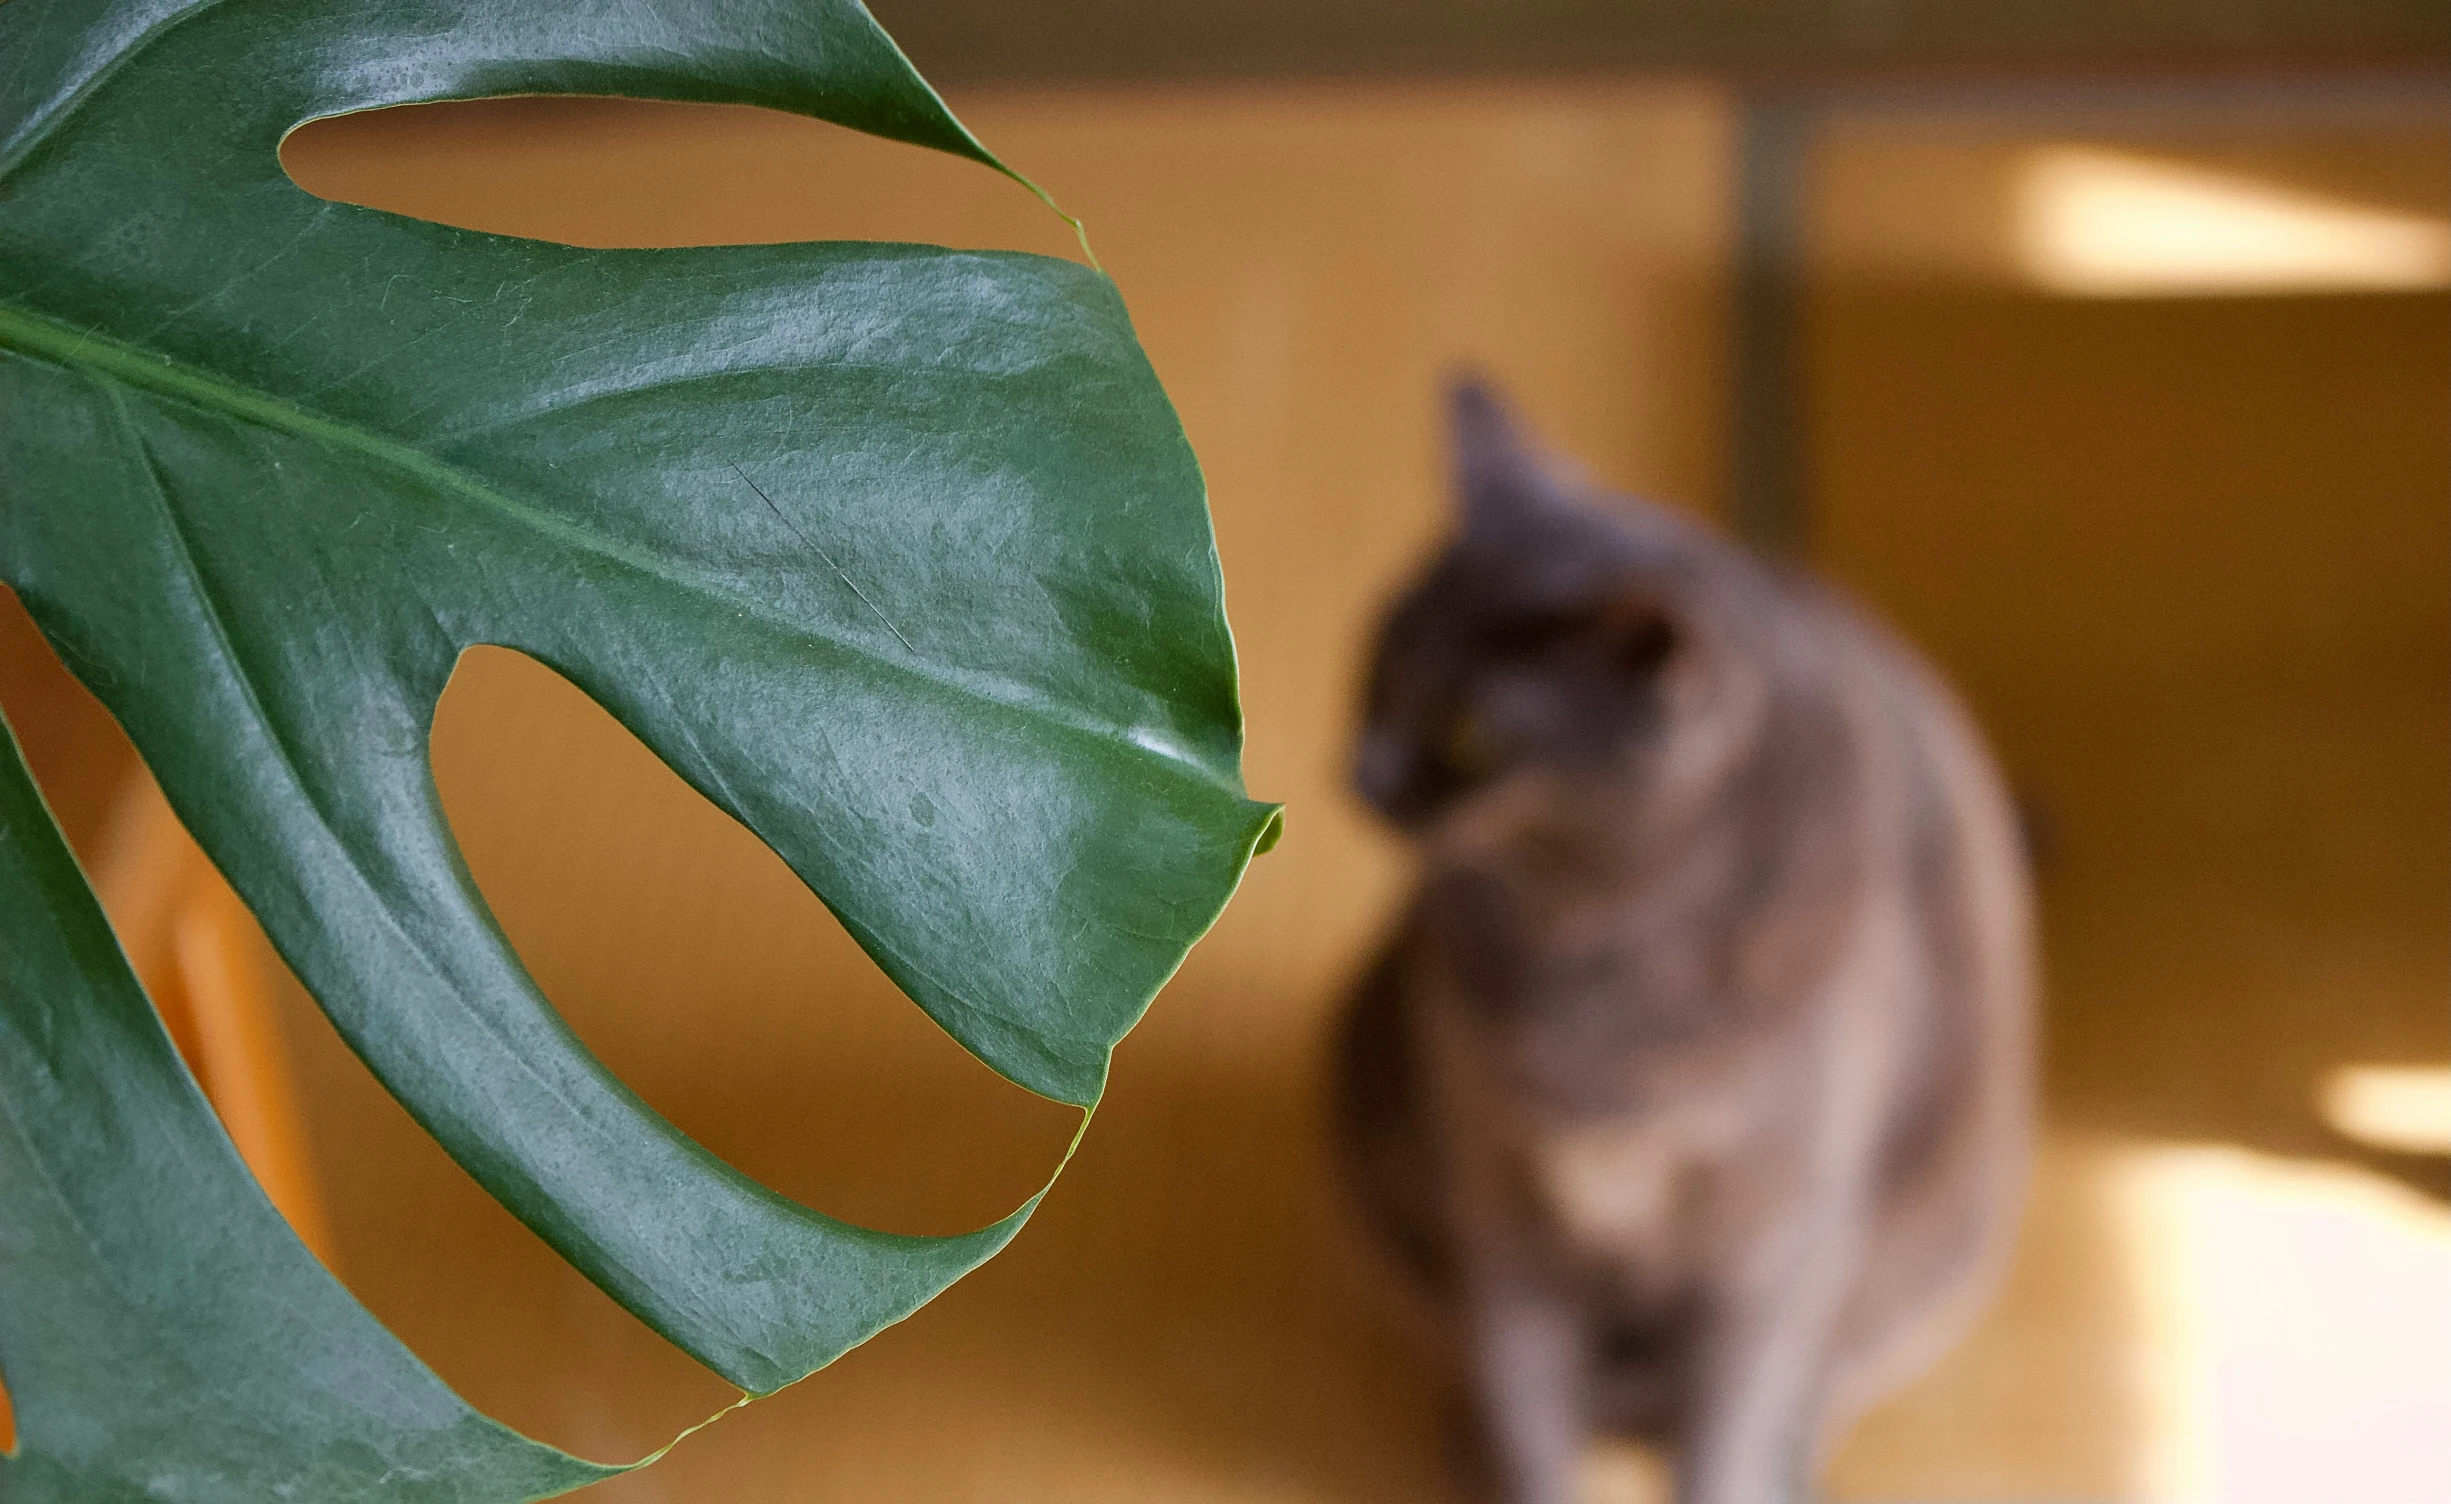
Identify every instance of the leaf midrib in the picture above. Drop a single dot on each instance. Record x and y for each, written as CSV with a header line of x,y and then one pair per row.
x,y
43,338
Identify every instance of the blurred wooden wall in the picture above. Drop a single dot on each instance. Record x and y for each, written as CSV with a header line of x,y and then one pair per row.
x,y
2190,560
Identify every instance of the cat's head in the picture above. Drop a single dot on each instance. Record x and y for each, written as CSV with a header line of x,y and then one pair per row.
x,y
1562,631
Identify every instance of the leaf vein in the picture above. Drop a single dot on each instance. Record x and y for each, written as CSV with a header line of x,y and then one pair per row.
x,y
107,358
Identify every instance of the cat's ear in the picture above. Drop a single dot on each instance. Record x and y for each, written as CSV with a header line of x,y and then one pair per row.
x,y
1498,477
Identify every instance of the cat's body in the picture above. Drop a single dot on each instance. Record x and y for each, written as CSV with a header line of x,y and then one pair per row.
x,y
1693,1085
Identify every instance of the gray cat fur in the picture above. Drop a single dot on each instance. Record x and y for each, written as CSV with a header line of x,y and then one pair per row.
x,y
1693,1087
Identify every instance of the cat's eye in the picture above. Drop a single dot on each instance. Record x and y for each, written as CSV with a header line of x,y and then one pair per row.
x,y
1468,748
1628,633
1534,633
1642,640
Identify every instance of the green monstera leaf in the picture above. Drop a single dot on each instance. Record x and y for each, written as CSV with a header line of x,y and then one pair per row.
x,y
897,553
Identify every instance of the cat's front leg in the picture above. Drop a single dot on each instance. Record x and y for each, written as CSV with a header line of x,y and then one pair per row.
x,y
1530,1355
1762,1361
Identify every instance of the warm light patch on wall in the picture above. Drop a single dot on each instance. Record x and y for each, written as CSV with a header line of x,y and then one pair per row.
x,y
2104,224
2406,1108
2295,1330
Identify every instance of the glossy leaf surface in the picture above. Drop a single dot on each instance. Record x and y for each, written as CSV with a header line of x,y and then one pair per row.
x,y
896,553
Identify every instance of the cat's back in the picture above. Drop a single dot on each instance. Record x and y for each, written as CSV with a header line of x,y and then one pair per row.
x,y
1948,1177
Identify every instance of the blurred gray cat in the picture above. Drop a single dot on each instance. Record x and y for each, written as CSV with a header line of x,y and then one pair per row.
x,y
1694,1083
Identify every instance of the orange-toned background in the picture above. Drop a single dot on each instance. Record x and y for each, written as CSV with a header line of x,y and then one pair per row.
x,y
2192,563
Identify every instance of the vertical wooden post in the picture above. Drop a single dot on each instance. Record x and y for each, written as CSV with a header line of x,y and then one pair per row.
x,y
1769,493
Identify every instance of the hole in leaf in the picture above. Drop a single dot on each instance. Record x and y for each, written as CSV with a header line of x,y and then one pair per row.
x,y
208,970
79,757
633,172
484,1302
203,962
697,967
193,945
